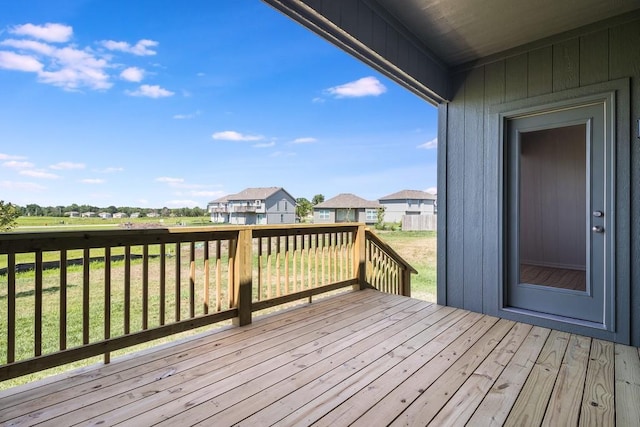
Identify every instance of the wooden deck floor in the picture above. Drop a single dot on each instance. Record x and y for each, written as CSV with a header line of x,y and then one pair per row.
x,y
362,358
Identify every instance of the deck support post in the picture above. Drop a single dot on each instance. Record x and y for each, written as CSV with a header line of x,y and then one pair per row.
x,y
359,257
243,277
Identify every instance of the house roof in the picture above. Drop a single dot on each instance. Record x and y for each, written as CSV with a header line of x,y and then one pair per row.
x,y
256,193
409,194
345,201
222,199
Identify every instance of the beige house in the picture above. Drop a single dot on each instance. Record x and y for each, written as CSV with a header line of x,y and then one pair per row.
x,y
346,207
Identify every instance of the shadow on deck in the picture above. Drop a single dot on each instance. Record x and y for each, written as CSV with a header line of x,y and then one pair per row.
x,y
363,358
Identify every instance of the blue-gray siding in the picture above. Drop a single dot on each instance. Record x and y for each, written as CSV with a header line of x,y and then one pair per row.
x,y
469,181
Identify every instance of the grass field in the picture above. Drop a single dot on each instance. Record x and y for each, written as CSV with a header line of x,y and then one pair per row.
x,y
417,248
45,223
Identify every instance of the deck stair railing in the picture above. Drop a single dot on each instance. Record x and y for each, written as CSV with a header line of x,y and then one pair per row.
x,y
72,295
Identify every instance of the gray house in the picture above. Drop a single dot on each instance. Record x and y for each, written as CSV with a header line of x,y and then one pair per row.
x,y
346,207
218,210
266,205
407,202
538,147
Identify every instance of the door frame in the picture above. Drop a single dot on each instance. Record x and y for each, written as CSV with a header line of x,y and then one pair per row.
x,y
615,97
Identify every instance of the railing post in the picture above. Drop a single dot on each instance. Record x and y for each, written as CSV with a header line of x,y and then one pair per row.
x,y
406,282
243,277
359,258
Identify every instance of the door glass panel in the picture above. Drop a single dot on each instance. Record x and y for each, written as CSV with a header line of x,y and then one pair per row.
x,y
553,207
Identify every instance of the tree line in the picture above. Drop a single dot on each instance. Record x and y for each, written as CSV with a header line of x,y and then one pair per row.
x,y
62,211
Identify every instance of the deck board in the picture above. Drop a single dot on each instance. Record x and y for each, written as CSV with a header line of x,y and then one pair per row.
x,y
361,358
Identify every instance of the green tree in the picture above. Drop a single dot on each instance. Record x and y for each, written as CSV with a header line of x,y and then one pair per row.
x,y
318,198
8,215
303,207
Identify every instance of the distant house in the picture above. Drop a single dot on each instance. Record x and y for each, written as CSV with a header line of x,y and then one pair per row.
x,y
72,214
120,215
346,208
408,202
218,210
135,215
88,214
262,205
105,215
153,215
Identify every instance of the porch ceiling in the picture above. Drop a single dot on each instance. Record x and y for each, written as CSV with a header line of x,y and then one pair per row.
x,y
459,31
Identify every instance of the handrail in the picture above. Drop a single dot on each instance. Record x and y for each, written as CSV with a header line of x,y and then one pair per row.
x,y
134,286
387,271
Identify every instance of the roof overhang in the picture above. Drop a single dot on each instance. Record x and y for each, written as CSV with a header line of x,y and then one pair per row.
x,y
418,42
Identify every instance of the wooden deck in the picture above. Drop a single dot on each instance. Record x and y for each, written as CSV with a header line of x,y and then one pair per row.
x,y
364,358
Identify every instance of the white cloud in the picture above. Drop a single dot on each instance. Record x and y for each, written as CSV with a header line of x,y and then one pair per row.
x,y
142,48
4,156
429,144
187,116
169,180
231,135
15,164
67,166
17,62
181,203
71,67
432,190
282,154
50,32
150,91
92,181
366,86
109,170
22,186
66,67
305,140
132,74
39,174
264,144
318,100
32,45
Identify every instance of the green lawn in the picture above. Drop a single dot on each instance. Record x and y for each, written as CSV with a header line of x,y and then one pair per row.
x,y
417,248
44,223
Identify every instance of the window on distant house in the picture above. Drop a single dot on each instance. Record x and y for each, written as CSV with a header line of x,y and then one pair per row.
x,y
324,214
372,215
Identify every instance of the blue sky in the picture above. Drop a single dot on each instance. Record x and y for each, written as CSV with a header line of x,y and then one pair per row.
x,y
168,103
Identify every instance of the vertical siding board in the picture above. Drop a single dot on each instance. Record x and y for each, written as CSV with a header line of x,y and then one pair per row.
x,y
331,10
540,71
516,77
455,196
624,61
566,65
365,24
442,253
349,16
594,52
391,49
494,93
403,55
473,188
379,36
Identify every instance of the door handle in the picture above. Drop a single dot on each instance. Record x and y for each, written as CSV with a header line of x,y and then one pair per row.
x,y
597,229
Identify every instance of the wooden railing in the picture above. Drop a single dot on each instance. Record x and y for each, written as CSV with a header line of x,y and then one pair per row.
x,y
386,270
67,296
